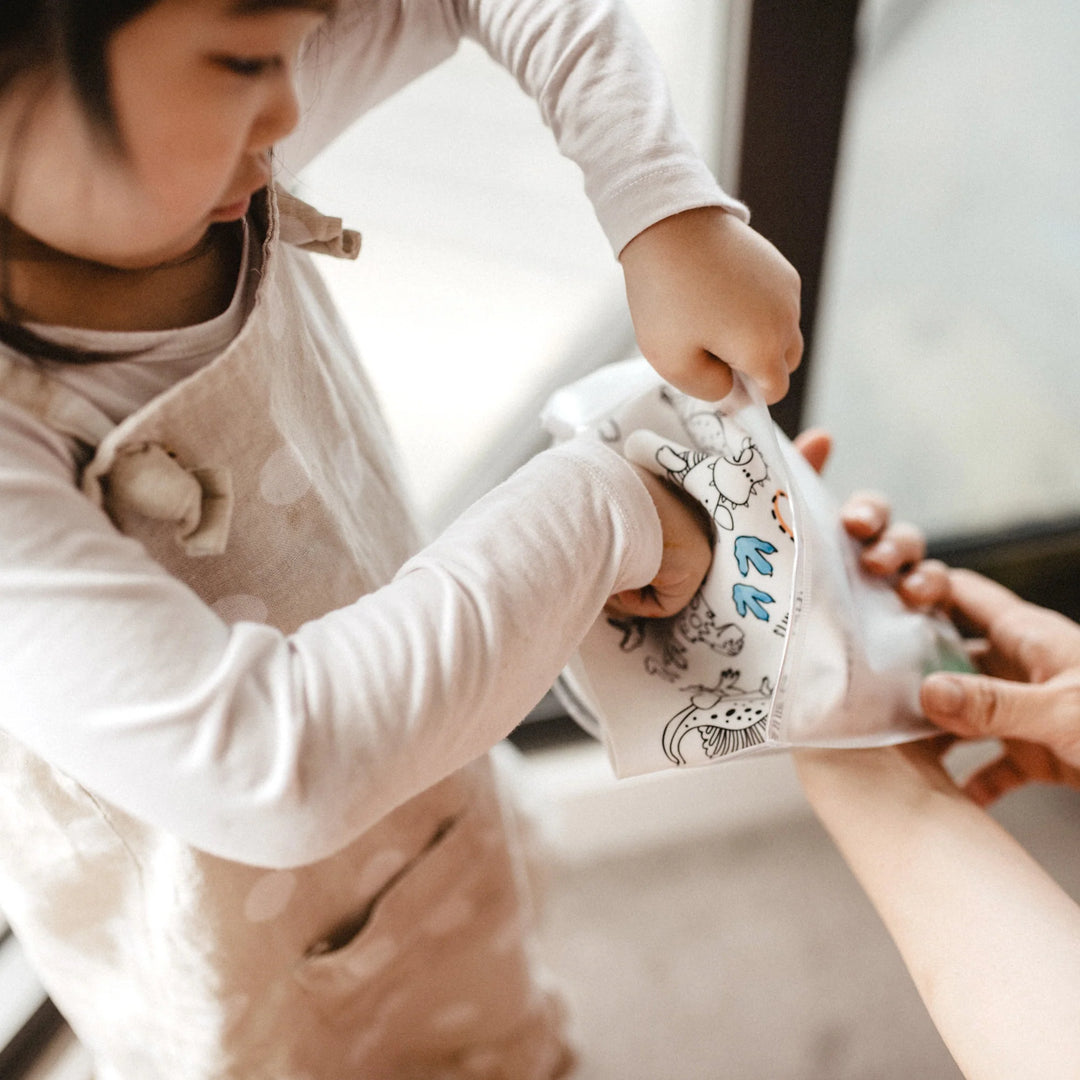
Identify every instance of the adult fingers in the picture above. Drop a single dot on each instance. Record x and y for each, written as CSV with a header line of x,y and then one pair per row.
x,y
815,444
1038,641
989,783
926,586
899,546
865,514
1020,763
980,706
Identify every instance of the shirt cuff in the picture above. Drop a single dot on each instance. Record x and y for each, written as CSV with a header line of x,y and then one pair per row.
x,y
632,208
634,511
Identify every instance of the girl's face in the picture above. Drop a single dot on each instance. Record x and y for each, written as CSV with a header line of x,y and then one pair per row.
x,y
201,90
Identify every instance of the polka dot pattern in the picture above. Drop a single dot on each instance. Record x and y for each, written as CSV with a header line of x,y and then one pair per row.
x,y
283,480
371,958
451,915
365,1043
455,1017
379,869
270,896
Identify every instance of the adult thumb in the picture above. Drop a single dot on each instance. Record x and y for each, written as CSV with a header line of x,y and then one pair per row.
x,y
979,706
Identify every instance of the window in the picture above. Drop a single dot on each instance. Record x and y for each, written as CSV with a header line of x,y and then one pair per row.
x,y
482,256
946,346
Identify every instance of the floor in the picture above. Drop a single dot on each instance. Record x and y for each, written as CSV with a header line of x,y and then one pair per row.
x,y
728,938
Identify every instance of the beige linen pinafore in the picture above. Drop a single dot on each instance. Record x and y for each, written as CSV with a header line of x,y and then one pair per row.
x,y
404,955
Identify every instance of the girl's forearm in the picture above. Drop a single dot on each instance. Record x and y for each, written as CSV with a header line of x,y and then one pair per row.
x,y
991,941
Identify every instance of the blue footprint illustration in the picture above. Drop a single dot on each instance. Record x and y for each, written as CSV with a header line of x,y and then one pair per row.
x,y
749,550
750,600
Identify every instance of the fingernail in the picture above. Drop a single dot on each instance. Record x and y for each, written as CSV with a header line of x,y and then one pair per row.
x,y
884,554
942,696
916,587
861,515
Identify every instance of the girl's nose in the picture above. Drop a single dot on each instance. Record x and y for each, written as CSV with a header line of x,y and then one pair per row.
x,y
279,115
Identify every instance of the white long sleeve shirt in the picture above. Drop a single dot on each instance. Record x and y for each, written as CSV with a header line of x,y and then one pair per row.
x,y
247,742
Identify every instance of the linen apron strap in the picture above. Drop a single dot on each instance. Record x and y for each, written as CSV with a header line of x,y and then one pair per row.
x,y
55,404
302,226
144,478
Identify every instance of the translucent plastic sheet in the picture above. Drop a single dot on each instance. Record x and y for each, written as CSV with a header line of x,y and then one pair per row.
x,y
787,643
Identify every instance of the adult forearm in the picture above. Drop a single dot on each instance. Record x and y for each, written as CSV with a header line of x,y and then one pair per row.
x,y
991,941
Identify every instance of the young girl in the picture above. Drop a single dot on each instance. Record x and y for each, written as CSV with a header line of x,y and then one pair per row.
x,y
248,826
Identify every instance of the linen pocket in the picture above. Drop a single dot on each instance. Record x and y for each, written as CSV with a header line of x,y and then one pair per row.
x,y
456,886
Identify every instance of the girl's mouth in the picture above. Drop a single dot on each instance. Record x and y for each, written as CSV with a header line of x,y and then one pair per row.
x,y
232,211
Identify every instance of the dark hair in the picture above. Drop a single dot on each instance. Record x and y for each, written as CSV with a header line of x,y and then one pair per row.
x,y
70,35
74,35
71,38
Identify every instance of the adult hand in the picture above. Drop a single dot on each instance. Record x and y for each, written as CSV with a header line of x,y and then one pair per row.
x,y
888,549
706,294
894,550
1028,694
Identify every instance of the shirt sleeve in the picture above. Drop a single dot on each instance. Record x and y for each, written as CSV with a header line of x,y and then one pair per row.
x,y
277,749
596,80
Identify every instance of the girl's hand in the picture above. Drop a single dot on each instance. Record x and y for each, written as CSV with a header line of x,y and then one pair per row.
x,y
1028,695
686,559
707,294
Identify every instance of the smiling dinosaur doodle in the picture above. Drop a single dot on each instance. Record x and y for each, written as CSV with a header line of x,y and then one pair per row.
x,y
720,482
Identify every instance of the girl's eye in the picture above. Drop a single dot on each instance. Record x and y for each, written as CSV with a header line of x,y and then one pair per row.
x,y
248,67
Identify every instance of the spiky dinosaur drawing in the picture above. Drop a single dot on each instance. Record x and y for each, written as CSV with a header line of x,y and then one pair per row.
x,y
721,483
725,717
